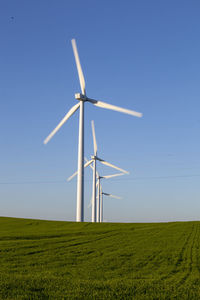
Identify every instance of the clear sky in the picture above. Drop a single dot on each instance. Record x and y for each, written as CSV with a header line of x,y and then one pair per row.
x,y
142,55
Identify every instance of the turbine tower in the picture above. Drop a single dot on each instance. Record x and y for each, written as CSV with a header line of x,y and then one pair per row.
x,y
82,98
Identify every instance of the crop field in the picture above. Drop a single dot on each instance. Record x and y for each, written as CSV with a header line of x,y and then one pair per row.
x,y
66,260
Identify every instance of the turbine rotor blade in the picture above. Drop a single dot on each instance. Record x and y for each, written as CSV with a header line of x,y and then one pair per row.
x,y
75,173
114,107
112,196
78,65
66,117
111,165
87,161
94,138
72,176
114,175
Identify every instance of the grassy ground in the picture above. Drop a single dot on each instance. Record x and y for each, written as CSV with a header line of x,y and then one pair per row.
x,y
65,260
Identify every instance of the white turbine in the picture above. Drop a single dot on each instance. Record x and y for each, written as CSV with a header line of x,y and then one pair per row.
x,y
96,175
109,195
99,202
94,158
96,208
82,99
88,163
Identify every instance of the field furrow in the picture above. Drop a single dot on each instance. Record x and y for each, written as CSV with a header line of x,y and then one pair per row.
x,y
65,260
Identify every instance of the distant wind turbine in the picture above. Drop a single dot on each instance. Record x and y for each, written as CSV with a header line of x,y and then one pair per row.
x,y
101,203
94,158
82,99
98,183
99,198
100,195
96,175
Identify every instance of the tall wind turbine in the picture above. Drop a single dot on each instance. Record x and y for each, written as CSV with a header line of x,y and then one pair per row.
x,y
82,98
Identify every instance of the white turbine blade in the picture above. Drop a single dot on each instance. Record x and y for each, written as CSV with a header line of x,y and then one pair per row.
x,y
116,108
75,173
87,161
111,165
112,196
72,176
94,138
78,65
85,158
66,117
114,175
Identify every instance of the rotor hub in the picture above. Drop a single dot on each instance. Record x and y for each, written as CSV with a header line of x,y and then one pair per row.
x,y
80,97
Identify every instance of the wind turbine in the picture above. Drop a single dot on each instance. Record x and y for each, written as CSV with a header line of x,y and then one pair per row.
x,y
94,159
101,193
96,209
99,205
99,202
96,175
108,195
82,98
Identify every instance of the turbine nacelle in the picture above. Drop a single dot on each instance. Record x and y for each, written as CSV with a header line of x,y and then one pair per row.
x,y
80,97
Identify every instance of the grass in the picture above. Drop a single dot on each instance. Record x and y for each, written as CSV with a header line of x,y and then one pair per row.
x,y
66,260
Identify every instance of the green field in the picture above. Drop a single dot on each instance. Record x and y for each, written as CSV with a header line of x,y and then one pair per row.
x,y
66,260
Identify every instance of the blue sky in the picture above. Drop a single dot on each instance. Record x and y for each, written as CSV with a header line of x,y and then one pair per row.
x,y
142,55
